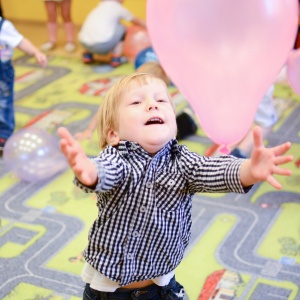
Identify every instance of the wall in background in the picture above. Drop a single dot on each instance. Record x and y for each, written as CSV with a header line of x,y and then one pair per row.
x,y
34,10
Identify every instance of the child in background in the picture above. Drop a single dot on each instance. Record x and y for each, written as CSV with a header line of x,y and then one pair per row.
x,y
103,33
52,24
144,182
9,39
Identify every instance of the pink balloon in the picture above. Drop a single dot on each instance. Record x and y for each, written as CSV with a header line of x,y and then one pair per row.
x,y
223,55
293,70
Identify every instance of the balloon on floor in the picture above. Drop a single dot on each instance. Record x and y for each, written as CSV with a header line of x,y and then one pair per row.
x,y
145,56
33,154
136,40
223,55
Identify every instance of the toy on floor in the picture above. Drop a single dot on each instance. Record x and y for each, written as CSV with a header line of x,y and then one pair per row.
x,y
33,154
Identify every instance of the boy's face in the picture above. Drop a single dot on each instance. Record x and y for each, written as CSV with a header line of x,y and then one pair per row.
x,y
146,116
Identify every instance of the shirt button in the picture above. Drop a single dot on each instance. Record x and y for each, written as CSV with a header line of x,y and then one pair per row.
x,y
130,256
135,233
149,185
143,208
171,182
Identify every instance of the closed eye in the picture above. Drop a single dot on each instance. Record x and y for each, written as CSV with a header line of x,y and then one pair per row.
x,y
161,100
135,102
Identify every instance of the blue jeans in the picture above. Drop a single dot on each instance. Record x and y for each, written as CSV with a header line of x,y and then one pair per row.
x,y
172,291
7,115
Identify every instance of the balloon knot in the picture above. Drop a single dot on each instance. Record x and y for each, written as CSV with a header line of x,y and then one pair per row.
x,y
224,149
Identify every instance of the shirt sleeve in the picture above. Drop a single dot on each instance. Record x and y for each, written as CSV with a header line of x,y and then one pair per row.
x,y
212,174
110,174
126,14
9,35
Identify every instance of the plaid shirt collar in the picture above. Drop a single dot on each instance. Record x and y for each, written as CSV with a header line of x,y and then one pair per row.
x,y
126,148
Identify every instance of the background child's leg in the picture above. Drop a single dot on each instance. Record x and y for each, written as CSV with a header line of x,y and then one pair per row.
x,y
68,24
117,51
51,26
244,148
265,117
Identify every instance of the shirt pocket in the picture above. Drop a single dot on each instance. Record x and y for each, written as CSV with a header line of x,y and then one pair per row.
x,y
170,191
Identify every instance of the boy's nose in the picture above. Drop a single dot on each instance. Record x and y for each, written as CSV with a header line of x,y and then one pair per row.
x,y
153,107
151,104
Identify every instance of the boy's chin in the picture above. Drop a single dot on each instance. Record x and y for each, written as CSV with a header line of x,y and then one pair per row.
x,y
155,144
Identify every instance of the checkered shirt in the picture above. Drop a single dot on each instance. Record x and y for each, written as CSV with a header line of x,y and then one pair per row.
x,y
144,220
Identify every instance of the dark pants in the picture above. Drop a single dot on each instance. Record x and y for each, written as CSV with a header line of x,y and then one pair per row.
x,y
172,291
7,117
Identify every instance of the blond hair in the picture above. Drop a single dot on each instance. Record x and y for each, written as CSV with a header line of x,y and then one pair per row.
x,y
107,116
156,69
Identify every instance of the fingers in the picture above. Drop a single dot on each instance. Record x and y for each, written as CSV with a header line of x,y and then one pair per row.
x,y
280,160
65,135
275,183
42,60
281,149
78,136
257,137
68,145
282,172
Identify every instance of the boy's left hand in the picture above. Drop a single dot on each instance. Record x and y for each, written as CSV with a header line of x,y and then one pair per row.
x,y
265,162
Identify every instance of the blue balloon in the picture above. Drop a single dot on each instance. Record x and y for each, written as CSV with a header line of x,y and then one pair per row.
x,y
144,56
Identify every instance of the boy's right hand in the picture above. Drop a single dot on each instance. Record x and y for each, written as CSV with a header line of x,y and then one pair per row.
x,y
83,168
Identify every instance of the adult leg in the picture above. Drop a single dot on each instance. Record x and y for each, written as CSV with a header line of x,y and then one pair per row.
x,y
118,41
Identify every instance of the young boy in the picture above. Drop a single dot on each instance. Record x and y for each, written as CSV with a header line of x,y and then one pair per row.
x,y
144,181
10,38
185,123
149,67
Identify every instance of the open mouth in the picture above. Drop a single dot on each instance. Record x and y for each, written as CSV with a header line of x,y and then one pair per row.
x,y
154,121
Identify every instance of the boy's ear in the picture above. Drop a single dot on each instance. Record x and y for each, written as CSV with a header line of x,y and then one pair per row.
x,y
113,138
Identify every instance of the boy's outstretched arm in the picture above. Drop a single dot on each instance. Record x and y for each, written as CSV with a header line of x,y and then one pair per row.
x,y
265,162
83,168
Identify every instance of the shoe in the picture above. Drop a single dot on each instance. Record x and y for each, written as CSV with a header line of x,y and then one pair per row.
x,y
115,61
2,144
87,58
70,47
48,46
118,60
